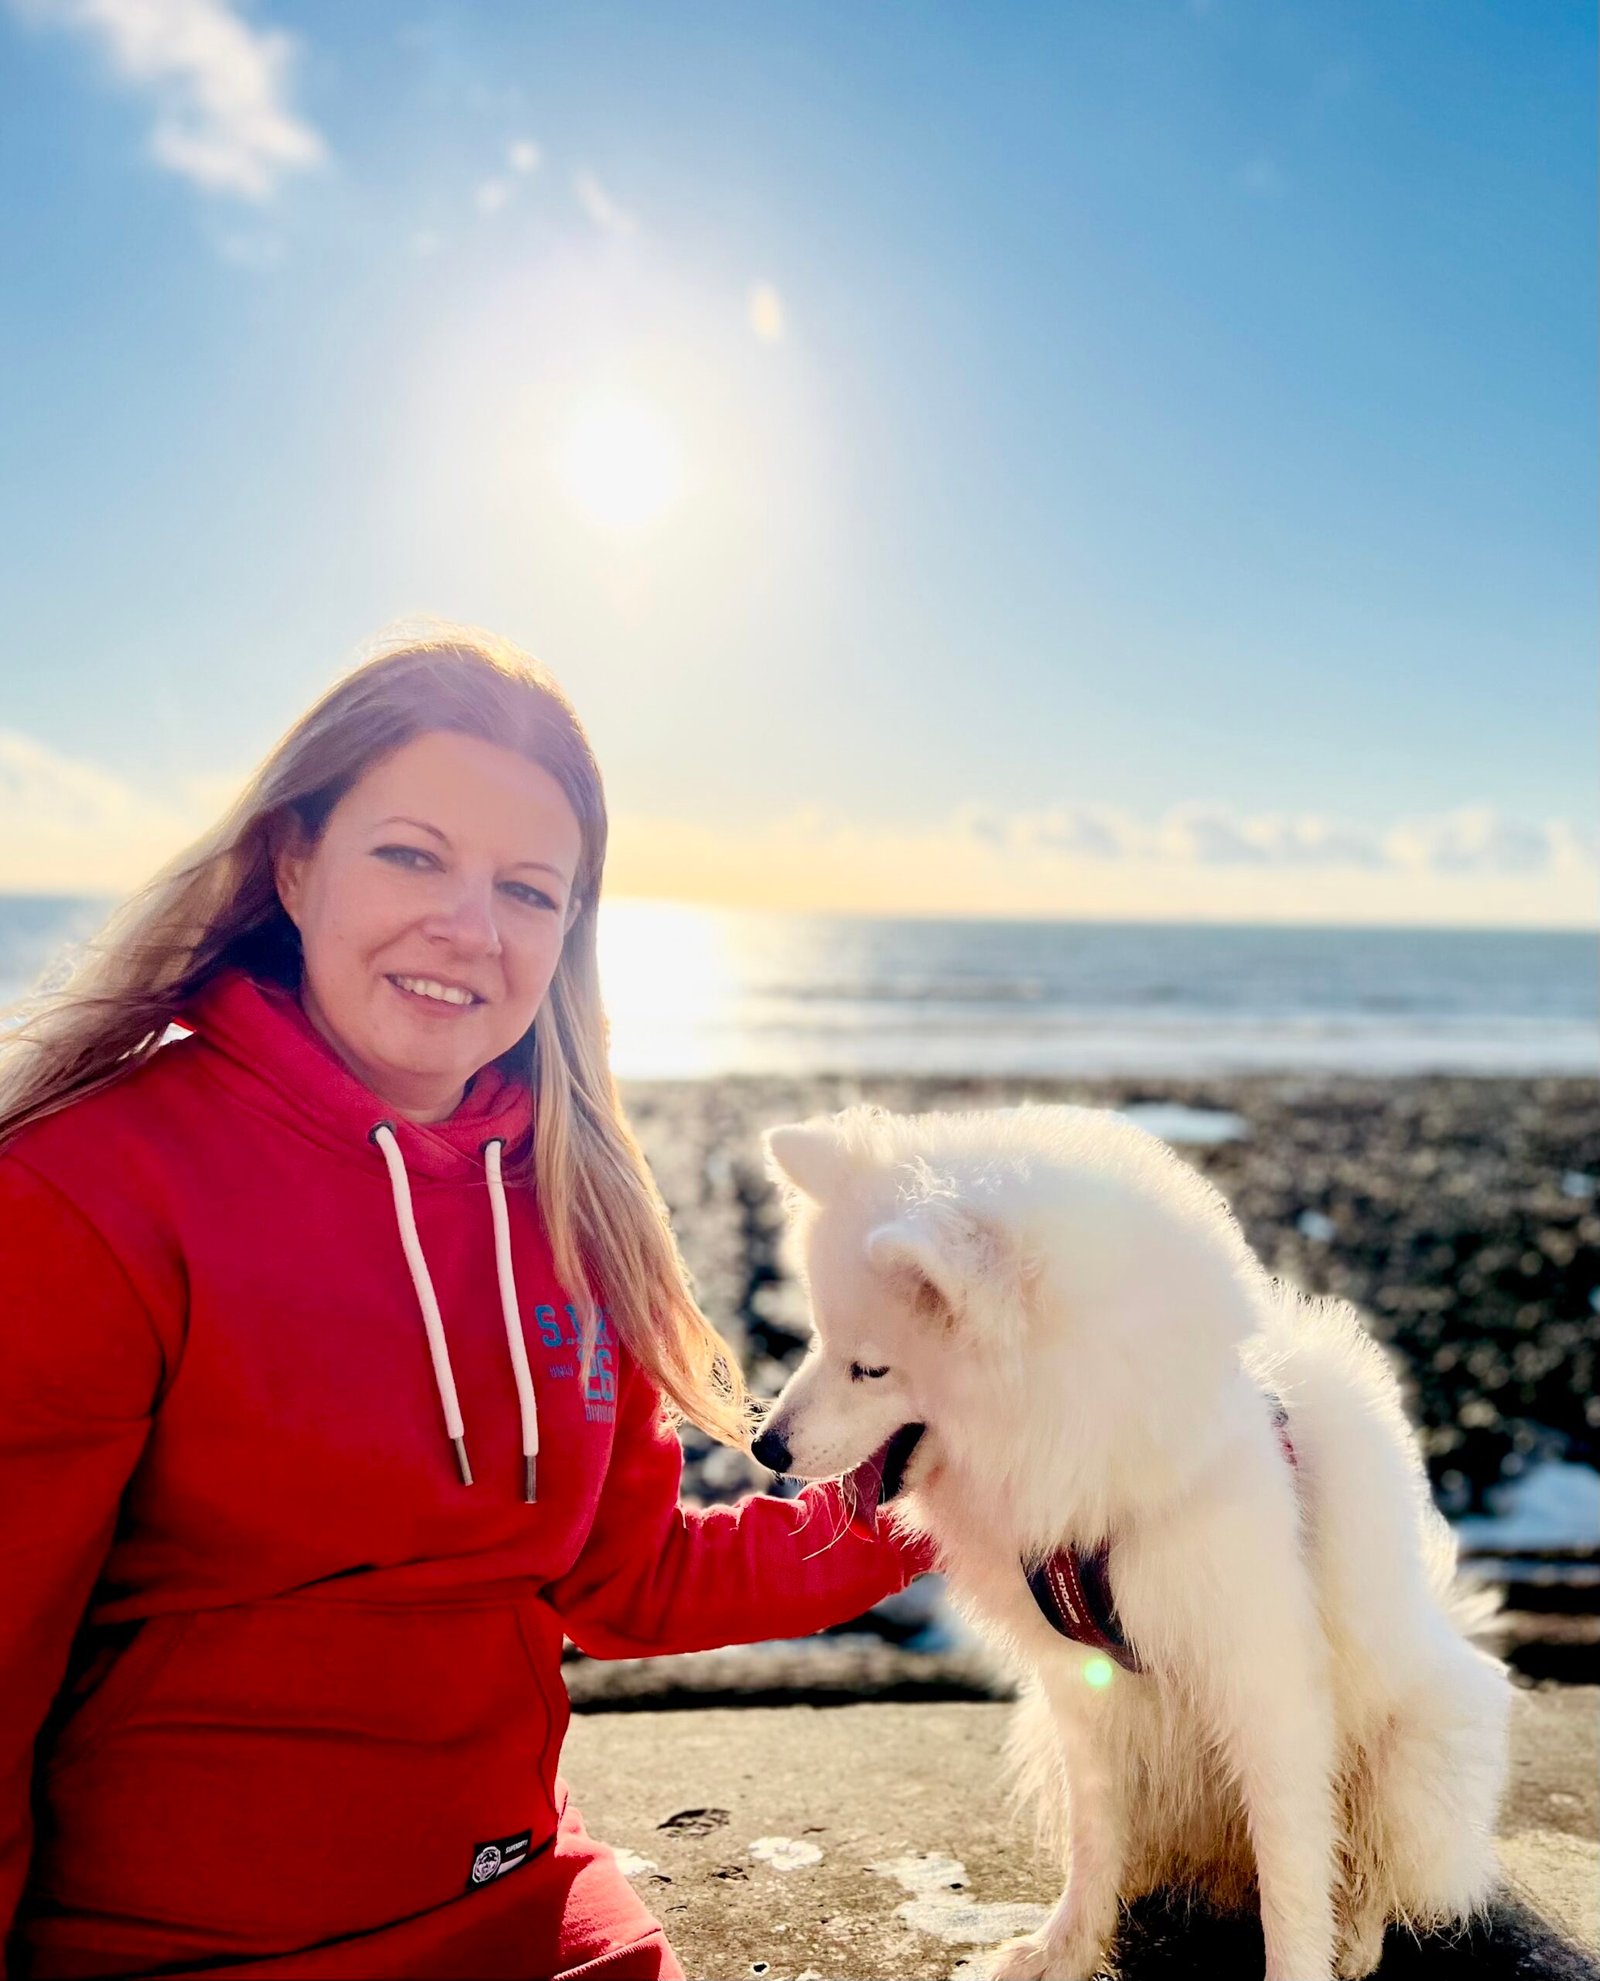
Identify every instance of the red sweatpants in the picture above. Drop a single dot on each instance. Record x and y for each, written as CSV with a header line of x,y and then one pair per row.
x,y
602,1927
568,1913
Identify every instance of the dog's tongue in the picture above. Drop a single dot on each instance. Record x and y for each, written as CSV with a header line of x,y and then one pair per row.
x,y
877,1479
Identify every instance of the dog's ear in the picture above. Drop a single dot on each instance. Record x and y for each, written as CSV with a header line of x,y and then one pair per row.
x,y
808,1154
945,1250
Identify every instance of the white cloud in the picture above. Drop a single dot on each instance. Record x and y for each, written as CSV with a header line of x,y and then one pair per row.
x,y
496,192
1313,841
1215,836
1095,831
69,827
223,119
979,822
1207,835
1191,835
601,208
1475,840
1203,862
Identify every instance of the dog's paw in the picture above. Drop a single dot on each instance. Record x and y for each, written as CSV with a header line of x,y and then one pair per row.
x,y
1033,1957
1360,1940
1019,1960
1359,1956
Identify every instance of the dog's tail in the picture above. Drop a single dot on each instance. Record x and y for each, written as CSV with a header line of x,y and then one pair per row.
x,y
1473,1604
1476,1608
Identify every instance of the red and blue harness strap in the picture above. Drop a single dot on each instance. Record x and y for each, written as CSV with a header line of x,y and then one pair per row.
x,y
1073,1589
1073,1586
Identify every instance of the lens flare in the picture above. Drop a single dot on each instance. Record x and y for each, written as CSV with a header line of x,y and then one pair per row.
x,y
1098,1672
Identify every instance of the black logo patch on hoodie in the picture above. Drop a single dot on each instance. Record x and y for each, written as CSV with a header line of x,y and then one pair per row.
x,y
494,1859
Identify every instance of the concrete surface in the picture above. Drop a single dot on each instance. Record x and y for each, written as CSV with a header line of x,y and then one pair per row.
x,y
846,1843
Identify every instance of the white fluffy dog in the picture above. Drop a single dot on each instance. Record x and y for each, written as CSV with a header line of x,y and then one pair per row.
x,y
1131,1434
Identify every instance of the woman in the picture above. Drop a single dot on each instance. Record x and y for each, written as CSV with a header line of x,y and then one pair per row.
x,y
336,1336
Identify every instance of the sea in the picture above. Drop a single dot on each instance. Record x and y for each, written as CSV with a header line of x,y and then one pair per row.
x,y
702,993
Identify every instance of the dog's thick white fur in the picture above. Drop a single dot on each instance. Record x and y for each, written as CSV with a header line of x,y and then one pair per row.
x,y
1075,1316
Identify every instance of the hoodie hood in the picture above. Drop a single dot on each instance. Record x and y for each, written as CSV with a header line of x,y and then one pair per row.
x,y
263,1046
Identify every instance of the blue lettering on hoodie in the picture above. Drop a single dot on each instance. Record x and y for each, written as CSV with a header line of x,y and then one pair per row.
x,y
559,1329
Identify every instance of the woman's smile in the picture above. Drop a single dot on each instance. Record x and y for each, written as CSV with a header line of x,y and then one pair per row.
x,y
444,999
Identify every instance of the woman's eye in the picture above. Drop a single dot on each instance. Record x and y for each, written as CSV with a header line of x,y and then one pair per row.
x,y
530,897
860,1375
414,857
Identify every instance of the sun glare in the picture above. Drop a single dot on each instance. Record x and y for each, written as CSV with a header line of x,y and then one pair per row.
x,y
671,981
622,464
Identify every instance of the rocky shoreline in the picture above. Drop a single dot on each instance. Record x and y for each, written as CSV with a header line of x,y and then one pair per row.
x,y
1460,1214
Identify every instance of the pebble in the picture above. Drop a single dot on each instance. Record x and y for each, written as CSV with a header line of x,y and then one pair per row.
x,y
694,1822
961,1922
925,1873
785,1853
942,1906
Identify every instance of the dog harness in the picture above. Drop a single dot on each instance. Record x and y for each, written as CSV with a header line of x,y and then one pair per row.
x,y
1073,1586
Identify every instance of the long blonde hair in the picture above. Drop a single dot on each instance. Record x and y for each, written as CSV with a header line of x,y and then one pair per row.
x,y
216,908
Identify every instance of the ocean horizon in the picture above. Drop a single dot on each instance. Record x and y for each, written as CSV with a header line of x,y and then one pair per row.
x,y
701,993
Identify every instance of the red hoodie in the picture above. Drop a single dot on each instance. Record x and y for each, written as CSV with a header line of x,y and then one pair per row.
x,y
322,1695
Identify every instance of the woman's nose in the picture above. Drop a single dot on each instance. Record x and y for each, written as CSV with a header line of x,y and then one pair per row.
x,y
468,924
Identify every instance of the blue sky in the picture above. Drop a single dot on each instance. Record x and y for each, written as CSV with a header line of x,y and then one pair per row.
x,y
1123,457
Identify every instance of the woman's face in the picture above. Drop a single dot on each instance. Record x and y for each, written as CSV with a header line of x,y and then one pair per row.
x,y
431,913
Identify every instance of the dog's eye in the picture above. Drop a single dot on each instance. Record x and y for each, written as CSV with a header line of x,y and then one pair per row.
x,y
860,1375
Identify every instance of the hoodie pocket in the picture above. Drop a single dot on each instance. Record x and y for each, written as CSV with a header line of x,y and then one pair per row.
x,y
275,1775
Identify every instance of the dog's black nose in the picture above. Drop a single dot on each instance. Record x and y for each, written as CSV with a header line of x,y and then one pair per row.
x,y
771,1451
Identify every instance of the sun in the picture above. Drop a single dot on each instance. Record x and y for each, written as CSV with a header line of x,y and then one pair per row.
x,y
621,463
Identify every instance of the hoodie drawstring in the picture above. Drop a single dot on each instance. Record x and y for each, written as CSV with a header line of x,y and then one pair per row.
x,y
427,1300
526,1401
383,1135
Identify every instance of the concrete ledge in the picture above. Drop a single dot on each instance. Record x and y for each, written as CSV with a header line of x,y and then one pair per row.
x,y
847,1843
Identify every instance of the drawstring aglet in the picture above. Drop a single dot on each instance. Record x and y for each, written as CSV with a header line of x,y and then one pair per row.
x,y
461,1460
530,1478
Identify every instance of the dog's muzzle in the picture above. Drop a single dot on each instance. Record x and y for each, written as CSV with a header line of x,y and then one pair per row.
x,y
873,1483
877,1479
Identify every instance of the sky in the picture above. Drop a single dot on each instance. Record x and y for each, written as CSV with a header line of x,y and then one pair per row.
x,y
1123,458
